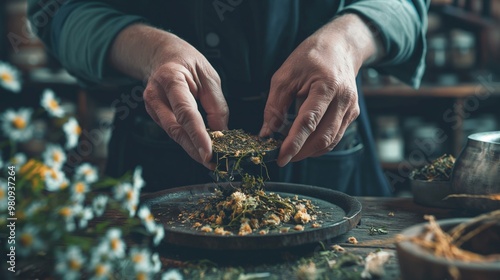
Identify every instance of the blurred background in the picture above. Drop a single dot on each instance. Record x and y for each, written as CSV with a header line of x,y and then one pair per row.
x,y
460,93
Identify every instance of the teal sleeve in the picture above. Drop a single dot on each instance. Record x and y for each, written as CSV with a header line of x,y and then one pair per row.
x,y
402,25
80,34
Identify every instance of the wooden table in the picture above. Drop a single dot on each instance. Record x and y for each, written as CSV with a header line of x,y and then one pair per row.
x,y
392,214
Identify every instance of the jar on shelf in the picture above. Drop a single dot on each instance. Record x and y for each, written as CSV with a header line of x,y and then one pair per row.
x,y
437,51
390,143
463,49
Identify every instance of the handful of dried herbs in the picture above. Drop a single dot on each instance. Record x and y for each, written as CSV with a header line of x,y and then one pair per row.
x,y
246,208
438,170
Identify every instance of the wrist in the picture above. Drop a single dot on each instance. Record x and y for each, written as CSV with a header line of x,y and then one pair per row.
x,y
354,35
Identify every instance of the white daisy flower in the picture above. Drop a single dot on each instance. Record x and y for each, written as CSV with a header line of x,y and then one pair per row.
x,y
70,263
78,191
129,196
18,160
147,218
141,259
137,179
87,173
99,204
100,253
29,240
120,190
54,156
68,214
172,274
84,216
100,271
16,124
72,131
51,104
34,208
55,180
159,234
115,243
9,77
3,194
156,263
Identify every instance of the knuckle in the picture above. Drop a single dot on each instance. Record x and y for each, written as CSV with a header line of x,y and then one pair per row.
x,y
310,121
184,114
150,96
355,111
279,81
325,142
174,131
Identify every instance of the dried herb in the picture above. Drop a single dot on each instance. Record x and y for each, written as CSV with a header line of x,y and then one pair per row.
x,y
237,143
246,208
438,170
449,244
377,230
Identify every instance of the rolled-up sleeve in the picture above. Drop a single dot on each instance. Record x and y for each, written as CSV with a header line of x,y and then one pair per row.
x,y
402,26
80,34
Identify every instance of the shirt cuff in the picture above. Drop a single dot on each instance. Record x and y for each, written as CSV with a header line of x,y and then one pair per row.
x,y
401,27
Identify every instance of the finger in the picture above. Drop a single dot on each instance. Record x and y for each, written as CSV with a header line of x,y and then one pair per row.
x,y
281,96
212,99
341,112
309,117
184,107
159,107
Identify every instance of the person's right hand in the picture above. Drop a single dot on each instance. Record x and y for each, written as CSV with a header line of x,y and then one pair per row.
x,y
177,76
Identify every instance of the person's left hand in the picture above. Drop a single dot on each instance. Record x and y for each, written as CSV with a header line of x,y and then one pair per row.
x,y
320,75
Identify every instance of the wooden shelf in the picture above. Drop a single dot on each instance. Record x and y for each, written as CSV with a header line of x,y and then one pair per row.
x,y
458,91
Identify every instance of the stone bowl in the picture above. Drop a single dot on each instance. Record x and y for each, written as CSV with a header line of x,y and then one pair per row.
x,y
432,193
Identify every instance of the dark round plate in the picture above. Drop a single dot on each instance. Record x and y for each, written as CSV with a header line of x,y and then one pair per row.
x,y
340,213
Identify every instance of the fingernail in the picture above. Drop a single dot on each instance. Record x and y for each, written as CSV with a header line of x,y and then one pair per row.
x,y
285,161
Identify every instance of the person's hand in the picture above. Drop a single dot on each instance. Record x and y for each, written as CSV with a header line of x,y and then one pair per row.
x,y
177,76
320,75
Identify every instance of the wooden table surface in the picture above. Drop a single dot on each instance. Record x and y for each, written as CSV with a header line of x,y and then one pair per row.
x,y
286,264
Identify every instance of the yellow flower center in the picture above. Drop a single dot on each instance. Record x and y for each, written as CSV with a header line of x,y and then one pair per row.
x,y
2,193
7,77
115,244
78,130
100,270
141,276
56,156
64,185
18,123
150,217
26,239
88,172
53,173
74,264
53,104
137,258
65,212
130,195
79,187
